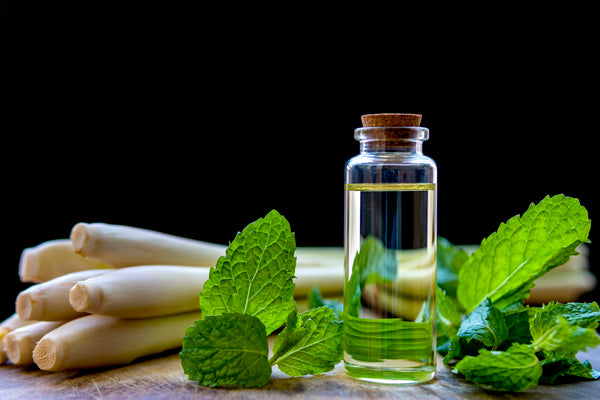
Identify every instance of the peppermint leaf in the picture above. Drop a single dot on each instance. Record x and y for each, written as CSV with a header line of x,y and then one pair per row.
x,y
564,367
517,322
524,248
585,315
255,275
450,259
485,327
315,299
311,343
565,327
229,350
515,369
448,319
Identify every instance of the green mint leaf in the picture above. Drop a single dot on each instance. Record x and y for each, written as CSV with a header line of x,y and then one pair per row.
x,y
514,370
564,327
315,300
293,332
585,315
255,275
484,328
517,322
450,259
564,367
449,317
524,248
228,350
311,343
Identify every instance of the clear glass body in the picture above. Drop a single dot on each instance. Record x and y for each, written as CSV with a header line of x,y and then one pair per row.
x,y
390,264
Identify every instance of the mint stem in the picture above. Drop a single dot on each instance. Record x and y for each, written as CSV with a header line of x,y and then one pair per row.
x,y
273,360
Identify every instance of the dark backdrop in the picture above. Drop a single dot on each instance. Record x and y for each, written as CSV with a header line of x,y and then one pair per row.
x,y
197,121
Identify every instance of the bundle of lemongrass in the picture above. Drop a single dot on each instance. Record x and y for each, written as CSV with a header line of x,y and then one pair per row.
x,y
111,294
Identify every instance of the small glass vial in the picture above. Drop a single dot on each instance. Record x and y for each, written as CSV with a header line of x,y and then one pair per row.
x,y
390,249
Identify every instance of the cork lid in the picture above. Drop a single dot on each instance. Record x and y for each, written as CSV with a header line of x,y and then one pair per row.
x,y
389,120
391,127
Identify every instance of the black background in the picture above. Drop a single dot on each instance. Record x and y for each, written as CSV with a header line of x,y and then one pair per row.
x,y
196,120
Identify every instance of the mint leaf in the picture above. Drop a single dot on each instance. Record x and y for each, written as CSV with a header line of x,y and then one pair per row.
x,y
560,330
228,350
255,275
293,332
515,369
586,315
311,343
449,317
485,327
524,248
517,322
315,300
450,259
562,368
564,327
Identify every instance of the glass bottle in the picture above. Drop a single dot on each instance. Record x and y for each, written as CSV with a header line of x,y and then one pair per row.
x,y
390,250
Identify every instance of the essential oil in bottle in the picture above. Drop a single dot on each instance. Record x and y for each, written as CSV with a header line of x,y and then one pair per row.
x,y
390,245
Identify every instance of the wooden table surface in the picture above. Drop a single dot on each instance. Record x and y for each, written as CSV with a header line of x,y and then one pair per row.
x,y
161,377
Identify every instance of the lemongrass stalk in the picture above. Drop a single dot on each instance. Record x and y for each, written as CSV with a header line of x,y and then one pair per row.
x,y
100,341
49,301
154,290
329,280
8,325
11,323
51,259
19,343
140,292
320,256
125,246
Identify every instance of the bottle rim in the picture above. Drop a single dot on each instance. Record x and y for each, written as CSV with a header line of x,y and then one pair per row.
x,y
391,133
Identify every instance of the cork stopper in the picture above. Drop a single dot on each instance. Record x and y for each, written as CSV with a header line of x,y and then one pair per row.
x,y
385,120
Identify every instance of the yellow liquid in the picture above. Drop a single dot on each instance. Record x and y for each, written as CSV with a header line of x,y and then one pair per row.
x,y
388,187
389,300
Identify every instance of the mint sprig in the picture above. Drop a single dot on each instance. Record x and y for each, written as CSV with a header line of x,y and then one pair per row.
x,y
501,344
557,333
248,295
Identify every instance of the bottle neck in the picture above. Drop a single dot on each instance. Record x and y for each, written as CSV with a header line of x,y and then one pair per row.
x,y
391,146
391,139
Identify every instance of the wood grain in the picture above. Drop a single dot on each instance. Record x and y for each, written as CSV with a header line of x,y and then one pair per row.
x,y
161,377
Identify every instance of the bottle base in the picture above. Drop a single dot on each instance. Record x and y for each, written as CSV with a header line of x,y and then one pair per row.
x,y
390,376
